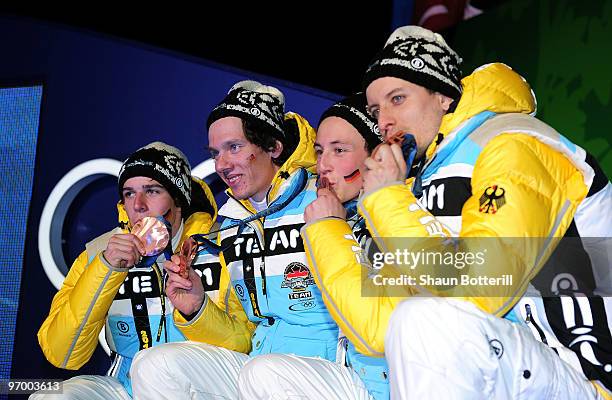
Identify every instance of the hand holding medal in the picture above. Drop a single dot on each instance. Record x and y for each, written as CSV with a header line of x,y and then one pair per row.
x,y
147,239
405,141
184,289
390,162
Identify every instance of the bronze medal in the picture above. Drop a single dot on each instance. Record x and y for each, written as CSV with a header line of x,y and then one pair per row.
x,y
189,249
323,182
153,234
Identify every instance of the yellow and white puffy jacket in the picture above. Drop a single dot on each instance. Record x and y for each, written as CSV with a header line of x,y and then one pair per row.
x,y
95,295
490,141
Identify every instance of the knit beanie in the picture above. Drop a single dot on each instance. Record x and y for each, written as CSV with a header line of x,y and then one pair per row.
x,y
164,163
419,56
256,102
352,109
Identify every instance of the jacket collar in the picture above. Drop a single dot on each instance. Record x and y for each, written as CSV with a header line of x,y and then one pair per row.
x,y
492,87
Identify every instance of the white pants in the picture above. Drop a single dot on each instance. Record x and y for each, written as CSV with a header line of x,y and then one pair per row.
x,y
186,370
290,377
88,387
447,348
190,370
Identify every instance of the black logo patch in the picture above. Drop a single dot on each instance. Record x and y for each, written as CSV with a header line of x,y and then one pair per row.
x,y
123,327
239,290
492,199
497,347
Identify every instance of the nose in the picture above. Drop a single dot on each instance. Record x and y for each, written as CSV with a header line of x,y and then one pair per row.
x,y
222,163
140,202
386,122
324,165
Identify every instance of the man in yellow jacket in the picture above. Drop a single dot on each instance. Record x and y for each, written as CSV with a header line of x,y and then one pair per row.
x,y
503,182
108,287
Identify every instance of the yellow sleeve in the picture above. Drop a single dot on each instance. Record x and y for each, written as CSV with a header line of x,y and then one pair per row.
x,y
541,190
69,334
360,308
223,324
602,391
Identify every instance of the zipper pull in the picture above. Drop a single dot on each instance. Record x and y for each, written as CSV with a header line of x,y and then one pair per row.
x,y
531,321
529,316
262,270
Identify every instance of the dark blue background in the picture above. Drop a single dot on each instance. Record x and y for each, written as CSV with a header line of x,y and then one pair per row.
x,y
105,97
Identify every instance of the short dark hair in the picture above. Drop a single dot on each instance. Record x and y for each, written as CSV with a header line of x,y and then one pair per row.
x,y
259,134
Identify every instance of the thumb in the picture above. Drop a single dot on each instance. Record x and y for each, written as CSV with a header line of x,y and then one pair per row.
x,y
398,156
322,192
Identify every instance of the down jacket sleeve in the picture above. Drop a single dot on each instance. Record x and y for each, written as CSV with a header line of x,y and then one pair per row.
x,y
224,323
69,334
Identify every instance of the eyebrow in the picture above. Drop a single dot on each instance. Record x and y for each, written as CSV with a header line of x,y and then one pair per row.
x,y
151,186
389,94
228,143
333,142
393,92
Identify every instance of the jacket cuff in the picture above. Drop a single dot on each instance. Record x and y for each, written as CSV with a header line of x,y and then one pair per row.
x,y
183,320
107,264
366,194
320,221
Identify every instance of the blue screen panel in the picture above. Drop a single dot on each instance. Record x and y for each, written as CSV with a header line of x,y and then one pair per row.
x,y
19,119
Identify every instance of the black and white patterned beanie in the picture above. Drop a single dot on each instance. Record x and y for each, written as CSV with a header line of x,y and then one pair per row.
x,y
419,56
352,109
164,163
254,101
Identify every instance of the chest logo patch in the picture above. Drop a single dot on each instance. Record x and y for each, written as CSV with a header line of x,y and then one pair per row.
x,y
298,278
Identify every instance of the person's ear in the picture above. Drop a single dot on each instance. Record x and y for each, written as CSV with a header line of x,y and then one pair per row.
x,y
277,150
444,101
